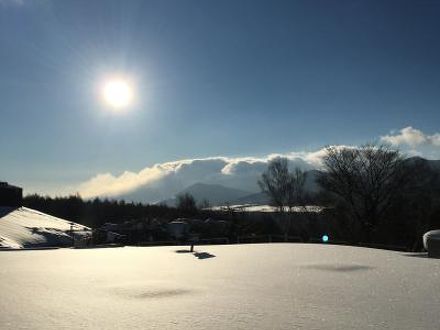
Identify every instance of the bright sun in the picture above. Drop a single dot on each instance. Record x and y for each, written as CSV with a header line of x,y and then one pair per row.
x,y
117,93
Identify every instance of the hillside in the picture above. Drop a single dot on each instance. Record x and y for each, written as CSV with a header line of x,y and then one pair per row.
x,y
27,228
216,194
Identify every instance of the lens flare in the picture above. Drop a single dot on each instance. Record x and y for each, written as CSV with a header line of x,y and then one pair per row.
x,y
325,238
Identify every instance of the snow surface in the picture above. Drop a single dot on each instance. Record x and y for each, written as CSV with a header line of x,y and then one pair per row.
x,y
24,227
259,286
267,208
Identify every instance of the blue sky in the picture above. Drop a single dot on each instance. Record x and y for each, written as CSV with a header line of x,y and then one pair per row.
x,y
230,78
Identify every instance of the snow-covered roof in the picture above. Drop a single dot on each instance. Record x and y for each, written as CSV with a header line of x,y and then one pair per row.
x,y
5,185
25,227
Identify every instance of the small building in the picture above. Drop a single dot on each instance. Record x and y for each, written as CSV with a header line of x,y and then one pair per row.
x,y
178,229
10,195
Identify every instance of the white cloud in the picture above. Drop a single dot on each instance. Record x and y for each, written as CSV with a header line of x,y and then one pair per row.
x,y
165,179
412,137
108,185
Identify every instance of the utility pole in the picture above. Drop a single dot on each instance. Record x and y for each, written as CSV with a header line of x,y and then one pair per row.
x,y
71,233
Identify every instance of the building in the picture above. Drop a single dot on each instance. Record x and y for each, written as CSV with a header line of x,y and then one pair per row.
x,y
178,229
10,195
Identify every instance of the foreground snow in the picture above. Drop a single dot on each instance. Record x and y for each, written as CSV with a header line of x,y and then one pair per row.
x,y
267,286
24,227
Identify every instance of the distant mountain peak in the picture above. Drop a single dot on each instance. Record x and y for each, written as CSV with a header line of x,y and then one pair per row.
x,y
215,194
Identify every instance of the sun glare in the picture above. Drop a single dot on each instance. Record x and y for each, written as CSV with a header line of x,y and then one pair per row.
x,y
117,93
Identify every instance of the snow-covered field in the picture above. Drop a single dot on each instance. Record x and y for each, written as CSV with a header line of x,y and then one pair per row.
x,y
267,208
25,227
261,286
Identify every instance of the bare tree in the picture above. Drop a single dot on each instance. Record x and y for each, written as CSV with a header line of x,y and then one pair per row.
x,y
367,180
284,188
295,193
186,203
275,182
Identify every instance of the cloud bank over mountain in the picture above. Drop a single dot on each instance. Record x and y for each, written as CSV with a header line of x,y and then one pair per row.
x,y
162,181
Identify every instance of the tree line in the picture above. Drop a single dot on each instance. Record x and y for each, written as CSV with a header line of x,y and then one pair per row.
x,y
94,213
